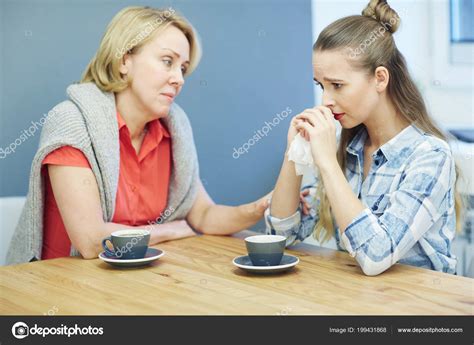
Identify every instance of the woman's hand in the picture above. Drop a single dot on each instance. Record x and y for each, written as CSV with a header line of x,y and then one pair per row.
x,y
318,126
292,131
255,210
305,205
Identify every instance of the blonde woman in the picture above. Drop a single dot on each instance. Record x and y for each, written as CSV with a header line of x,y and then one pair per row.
x,y
386,191
119,153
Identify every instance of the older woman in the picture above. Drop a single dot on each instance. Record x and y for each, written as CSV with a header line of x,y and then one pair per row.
x,y
119,153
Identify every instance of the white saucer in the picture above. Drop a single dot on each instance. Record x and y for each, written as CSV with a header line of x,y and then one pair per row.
x,y
151,255
287,262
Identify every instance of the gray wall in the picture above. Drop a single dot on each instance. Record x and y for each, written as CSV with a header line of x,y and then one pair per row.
x,y
256,63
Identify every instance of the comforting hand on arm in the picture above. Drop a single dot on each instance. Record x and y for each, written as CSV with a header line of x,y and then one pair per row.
x,y
208,218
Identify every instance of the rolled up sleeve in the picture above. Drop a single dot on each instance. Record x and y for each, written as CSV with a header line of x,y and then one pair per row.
x,y
297,226
287,227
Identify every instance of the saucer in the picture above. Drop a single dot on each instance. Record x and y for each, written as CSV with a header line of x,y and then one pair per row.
x,y
287,262
151,255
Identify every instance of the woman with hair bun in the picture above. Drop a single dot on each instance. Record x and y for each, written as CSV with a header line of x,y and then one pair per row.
x,y
119,153
385,189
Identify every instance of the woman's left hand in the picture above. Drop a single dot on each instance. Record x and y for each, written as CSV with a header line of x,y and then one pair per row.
x,y
318,125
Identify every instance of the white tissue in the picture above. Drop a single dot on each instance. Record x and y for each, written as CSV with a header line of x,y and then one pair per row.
x,y
300,153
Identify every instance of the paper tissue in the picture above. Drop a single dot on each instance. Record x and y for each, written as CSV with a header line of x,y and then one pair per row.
x,y
300,153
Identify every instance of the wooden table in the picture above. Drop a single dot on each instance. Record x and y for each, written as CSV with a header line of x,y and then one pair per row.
x,y
196,276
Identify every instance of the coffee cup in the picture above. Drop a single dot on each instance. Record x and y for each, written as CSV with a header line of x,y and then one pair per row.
x,y
127,244
265,250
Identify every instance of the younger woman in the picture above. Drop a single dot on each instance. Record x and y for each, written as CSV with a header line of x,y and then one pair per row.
x,y
386,191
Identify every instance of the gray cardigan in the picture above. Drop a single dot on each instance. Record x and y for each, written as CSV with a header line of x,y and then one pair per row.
x,y
88,122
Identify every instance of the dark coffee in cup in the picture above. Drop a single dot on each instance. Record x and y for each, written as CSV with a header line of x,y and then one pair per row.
x,y
127,244
265,250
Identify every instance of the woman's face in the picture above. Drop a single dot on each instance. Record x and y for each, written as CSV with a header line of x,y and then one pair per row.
x,y
345,90
157,70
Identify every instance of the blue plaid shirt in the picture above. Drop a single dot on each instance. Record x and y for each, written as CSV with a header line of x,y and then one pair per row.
x,y
409,197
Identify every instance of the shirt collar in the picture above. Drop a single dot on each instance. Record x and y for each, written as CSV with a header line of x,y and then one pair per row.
x,y
121,121
403,143
356,146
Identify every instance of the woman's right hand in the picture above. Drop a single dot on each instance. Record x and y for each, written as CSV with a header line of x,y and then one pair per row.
x,y
292,131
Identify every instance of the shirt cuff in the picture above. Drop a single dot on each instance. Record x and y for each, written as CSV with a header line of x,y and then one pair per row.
x,y
287,227
362,229
282,224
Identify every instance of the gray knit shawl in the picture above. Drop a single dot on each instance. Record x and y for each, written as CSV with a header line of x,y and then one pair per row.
x,y
88,122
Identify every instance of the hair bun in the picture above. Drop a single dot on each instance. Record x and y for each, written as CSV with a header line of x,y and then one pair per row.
x,y
383,13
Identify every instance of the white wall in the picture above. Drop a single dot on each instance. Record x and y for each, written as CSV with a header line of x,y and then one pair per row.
x,y
423,38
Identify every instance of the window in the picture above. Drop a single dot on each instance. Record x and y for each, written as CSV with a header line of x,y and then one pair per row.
x,y
462,16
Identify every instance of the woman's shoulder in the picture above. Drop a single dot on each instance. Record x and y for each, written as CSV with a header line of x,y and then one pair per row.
x,y
64,122
66,110
432,143
430,153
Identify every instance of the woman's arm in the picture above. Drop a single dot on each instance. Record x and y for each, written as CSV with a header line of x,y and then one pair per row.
x,y
77,196
379,240
208,218
299,225
286,195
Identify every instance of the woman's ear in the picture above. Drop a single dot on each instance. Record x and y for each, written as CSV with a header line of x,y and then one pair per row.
x,y
382,77
125,64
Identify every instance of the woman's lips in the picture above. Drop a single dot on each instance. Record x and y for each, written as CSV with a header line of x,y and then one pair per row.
x,y
338,116
169,96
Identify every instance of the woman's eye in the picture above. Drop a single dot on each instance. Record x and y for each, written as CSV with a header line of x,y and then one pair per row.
x,y
183,69
337,86
167,62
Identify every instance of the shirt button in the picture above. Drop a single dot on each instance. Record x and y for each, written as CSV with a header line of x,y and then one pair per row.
x,y
134,188
374,208
376,161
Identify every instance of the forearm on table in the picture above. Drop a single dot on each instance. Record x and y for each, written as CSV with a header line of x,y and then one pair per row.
x,y
226,220
286,195
158,233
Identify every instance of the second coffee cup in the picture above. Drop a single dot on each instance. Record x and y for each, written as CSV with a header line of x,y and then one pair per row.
x,y
265,250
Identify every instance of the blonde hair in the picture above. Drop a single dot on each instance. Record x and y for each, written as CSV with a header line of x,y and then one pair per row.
x,y
129,30
368,38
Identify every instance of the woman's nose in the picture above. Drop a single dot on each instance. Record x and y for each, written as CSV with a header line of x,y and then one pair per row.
x,y
177,77
327,99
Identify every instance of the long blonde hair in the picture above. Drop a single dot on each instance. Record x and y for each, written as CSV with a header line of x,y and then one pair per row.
x,y
368,40
129,30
